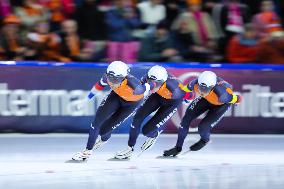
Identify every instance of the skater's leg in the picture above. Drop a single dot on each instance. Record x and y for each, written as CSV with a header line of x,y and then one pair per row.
x,y
195,109
150,105
213,116
121,115
105,110
157,122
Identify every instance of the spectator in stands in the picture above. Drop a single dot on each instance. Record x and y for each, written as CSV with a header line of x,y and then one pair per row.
x,y
173,8
121,22
11,44
90,20
243,48
200,25
59,11
70,43
208,5
271,49
233,17
230,18
44,45
158,47
152,12
92,28
267,21
30,13
189,51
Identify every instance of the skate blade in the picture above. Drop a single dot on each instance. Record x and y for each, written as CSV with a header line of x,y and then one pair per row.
x,y
76,161
166,157
117,159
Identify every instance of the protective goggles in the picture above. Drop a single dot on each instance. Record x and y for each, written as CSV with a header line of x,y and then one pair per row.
x,y
153,79
114,79
204,89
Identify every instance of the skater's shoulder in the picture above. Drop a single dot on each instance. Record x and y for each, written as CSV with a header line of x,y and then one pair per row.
x,y
132,81
221,82
223,89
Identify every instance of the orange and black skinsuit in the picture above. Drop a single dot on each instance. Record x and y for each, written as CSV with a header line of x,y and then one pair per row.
x,y
166,100
217,102
120,104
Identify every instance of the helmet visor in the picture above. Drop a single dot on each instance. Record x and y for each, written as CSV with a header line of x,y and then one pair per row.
x,y
114,79
158,83
204,90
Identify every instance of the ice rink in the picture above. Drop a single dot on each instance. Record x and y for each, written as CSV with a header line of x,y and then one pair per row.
x,y
228,162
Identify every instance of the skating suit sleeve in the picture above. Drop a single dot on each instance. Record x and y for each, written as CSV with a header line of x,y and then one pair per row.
x,y
222,93
190,87
99,86
130,89
172,89
143,79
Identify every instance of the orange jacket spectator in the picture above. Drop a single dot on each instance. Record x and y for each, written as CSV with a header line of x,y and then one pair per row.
x,y
271,50
267,21
240,53
30,13
70,43
45,44
11,44
243,48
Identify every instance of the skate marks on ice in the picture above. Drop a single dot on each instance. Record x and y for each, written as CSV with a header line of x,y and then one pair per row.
x,y
166,157
117,159
76,161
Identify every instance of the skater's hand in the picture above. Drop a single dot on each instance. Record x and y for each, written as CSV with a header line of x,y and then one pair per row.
x,y
240,99
188,97
147,89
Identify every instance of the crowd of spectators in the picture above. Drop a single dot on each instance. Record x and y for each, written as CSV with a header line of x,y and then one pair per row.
x,y
235,31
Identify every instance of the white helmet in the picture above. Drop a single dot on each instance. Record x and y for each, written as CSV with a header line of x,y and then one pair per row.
x,y
206,81
207,78
118,68
158,73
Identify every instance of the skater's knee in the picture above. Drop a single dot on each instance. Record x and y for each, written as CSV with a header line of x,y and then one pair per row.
x,y
145,131
149,132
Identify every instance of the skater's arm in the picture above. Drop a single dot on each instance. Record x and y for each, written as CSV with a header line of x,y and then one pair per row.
x,y
176,88
146,83
139,87
99,86
221,81
190,87
226,95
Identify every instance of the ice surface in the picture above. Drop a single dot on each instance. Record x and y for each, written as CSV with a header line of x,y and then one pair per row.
x,y
228,162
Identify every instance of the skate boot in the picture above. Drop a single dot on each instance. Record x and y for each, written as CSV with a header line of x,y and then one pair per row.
x,y
172,152
99,143
82,156
198,145
124,154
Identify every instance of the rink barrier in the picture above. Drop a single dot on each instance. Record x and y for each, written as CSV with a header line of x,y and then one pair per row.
x,y
40,97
